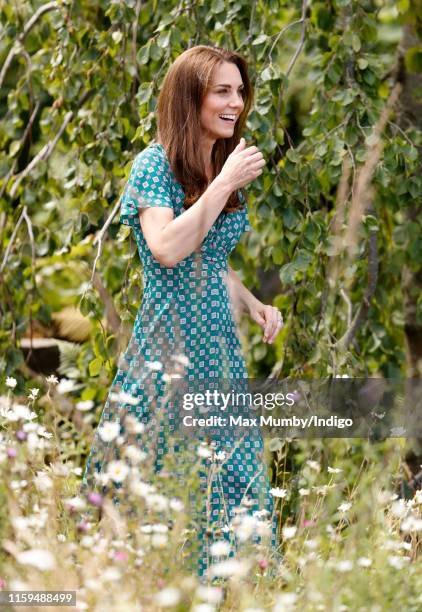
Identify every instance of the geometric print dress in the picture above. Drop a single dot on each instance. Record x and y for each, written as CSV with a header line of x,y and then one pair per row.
x,y
186,322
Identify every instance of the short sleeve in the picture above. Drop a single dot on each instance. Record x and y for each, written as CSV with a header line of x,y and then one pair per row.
x,y
247,227
149,184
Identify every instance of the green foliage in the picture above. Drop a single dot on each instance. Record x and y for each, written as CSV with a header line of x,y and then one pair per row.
x,y
84,82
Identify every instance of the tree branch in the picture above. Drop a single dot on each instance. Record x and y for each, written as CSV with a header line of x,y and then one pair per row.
x,y
362,311
48,148
14,50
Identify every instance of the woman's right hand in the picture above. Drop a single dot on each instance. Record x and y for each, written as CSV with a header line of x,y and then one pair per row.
x,y
243,165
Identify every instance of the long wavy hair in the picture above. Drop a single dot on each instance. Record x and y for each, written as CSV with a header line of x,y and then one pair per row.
x,y
178,118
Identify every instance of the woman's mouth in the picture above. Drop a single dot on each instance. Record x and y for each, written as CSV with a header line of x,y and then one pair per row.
x,y
228,118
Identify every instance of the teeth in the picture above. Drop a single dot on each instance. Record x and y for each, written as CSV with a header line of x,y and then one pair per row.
x,y
228,116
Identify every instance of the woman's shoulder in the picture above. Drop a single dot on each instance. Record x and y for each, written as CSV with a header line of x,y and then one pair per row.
x,y
152,162
153,153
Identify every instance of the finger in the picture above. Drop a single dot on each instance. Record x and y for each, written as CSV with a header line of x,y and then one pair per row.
x,y
278,327
272,322
255,158
268,326
277,331
260,163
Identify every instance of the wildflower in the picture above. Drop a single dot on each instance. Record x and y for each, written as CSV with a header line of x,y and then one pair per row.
x,y
159,540
133,426
95,499
285,602
398,562
20,435
42,482
246,528
398,508
38,558
84,405
261,513
344,507
34,393
65,386
289,532
41,431
334,470
83,526
263,564
51,380
176,504
220,548
120,555
75,503
87,541
322,490
117,471
167,597
124,398
19,412
314,465
134,454
157,502
364,562
411,523
109,431
111,574
182,360
304,492
344,566
142,489
154,365
230,568
212,595
11,452
11,382
203,451
203,607
278,492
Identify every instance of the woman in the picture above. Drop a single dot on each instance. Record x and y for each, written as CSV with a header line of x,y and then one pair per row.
x,y
184,203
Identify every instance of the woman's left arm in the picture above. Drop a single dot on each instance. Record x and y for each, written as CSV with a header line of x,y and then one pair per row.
x,y
268,317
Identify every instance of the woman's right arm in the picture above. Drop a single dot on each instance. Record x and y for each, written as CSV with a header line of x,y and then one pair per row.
x,y
170,239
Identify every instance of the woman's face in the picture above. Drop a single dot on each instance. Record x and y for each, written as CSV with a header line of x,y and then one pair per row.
x,y
223,102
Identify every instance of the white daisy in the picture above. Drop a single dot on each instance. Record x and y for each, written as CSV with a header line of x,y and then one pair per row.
x,y
41,559
109,431
117,471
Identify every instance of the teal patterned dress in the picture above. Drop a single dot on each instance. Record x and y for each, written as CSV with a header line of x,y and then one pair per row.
x,y
186,318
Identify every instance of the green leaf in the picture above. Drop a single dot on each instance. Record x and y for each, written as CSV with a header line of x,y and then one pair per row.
x,y
143,53
413,59
262,38
95,366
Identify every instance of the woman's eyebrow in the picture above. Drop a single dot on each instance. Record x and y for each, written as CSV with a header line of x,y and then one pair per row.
x,y
226,85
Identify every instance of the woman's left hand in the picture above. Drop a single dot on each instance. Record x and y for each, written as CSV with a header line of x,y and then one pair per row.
x,y
269,318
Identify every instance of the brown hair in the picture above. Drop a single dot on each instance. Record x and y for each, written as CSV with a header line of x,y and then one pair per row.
x,y
178,118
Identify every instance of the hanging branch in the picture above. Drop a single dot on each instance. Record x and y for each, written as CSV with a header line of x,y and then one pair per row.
x,y
48,148
361,195
371,286
12,240
100,237
14,50
21,144
296,54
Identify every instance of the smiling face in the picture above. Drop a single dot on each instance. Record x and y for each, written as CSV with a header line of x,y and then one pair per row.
x,y
223,102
